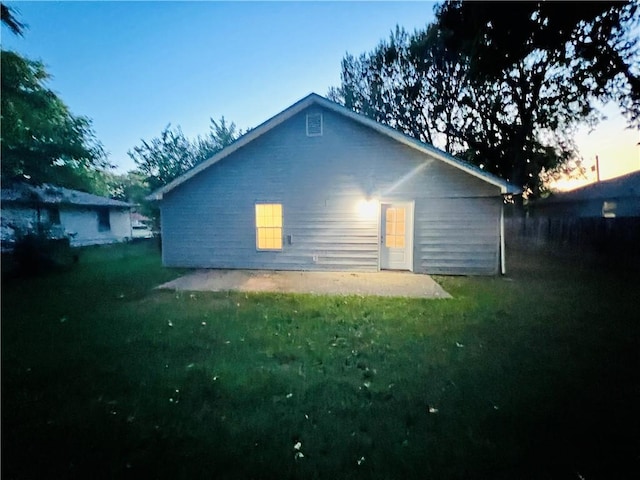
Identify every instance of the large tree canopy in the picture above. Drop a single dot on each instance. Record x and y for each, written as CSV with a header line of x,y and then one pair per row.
x,y
512,113
42,141
168,156
596,41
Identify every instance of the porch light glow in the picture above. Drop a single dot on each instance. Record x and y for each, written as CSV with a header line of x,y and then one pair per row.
x,y
367,209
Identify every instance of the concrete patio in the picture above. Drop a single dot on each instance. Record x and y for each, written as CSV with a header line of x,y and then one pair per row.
x,y
386,283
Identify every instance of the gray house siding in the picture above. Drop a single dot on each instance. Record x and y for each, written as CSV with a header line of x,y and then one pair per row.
x,y
458,236
209,220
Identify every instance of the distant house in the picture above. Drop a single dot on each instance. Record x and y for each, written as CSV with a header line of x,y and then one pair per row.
x,y
319,187
85,218
618,197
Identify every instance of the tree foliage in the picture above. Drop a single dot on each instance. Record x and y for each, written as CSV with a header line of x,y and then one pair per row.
x,y
513,110
168,156
42,141
131,187
410,83
128,187
9,19
597,43
219,136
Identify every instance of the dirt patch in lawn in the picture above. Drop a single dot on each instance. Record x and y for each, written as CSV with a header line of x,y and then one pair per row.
x,y
386,284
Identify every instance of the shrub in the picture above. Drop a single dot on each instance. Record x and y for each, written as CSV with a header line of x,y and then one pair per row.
x,y
37,252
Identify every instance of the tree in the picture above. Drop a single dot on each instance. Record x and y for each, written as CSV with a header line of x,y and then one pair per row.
x,y
220,135
9,19
516,121
552,66
396,85
597,43
414,84
42,141
128,187
171,154
164,158
132,187
411,83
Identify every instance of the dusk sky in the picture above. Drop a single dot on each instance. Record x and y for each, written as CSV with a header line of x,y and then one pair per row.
x,y
134,67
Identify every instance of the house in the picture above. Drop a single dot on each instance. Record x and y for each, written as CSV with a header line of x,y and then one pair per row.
x,y
319,187
618,197
85,218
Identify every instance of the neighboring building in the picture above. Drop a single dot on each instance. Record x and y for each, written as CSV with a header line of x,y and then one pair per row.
x,y
140,226
618,197
86,219
319,187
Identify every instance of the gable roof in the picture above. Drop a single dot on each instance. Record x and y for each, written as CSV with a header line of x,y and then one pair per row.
x,y
52,195
620,187
315,99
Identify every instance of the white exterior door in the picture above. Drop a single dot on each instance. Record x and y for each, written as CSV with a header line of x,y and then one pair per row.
x,y
396,236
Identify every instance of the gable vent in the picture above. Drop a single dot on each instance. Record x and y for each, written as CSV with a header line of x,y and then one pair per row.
x,y
314,124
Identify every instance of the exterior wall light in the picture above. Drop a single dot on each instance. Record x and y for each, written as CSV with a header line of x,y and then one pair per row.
x,y
367,208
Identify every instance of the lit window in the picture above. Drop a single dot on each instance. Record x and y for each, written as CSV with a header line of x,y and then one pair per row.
x,y
269,226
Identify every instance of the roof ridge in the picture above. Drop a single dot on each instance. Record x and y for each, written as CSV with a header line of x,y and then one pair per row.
x,y
314,98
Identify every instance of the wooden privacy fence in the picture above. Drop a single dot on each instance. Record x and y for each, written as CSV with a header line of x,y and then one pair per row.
x,y
611,236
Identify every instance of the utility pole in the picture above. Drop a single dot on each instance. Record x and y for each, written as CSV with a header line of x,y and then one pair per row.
x,y
597,168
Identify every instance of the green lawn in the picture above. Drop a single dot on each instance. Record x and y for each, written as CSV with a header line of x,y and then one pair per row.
x,y
535,375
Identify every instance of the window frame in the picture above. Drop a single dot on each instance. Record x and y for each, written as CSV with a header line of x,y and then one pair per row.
x,y
104,213
258,227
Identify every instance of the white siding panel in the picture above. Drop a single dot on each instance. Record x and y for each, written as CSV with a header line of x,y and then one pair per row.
x,y
208,221
82,225
120,224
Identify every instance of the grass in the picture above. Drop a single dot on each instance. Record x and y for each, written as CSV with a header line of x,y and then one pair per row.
x,y
530,376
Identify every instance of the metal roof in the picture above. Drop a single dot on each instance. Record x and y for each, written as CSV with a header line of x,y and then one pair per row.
x,y
315,99
50,194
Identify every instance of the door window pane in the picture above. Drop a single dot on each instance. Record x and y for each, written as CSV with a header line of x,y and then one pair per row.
x,y
395,227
